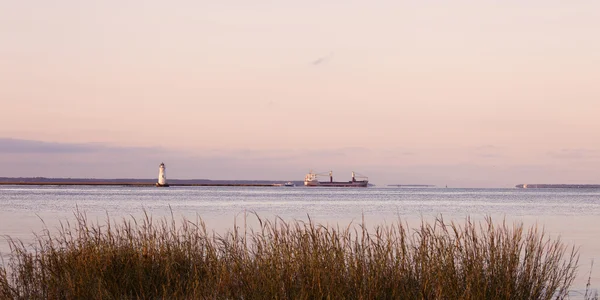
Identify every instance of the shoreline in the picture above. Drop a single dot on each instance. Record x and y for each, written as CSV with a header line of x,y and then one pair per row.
x,y
135,184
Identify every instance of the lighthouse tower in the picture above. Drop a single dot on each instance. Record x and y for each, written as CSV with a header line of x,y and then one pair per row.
x,y
162,176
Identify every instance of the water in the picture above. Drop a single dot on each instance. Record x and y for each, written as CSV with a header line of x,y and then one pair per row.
x,y
572,214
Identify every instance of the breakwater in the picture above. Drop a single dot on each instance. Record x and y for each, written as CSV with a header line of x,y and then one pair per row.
x,y
133,184
557,186
41,181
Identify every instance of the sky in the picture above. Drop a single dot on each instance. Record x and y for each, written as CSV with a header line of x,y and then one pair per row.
x,y
459,93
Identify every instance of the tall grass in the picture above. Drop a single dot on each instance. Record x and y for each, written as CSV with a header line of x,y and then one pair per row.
x,y
145,259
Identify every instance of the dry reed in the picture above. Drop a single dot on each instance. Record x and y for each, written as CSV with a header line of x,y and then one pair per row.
x,y
288,260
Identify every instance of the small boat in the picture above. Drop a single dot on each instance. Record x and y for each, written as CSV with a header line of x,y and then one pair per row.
x,y
289,183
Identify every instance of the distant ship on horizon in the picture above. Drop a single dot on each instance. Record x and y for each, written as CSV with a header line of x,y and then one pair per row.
x,y
311,180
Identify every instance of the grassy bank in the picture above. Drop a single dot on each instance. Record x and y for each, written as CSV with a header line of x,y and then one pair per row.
x,y
296,260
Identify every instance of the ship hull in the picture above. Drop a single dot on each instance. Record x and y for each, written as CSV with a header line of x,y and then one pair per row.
x,y
337,184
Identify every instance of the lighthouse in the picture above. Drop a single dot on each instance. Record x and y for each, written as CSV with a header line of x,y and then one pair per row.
x,y
162,176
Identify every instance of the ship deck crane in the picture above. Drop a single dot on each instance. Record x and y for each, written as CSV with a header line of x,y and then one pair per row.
x,y
358,175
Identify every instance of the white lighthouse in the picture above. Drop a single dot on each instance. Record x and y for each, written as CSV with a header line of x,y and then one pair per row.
x,y
162,176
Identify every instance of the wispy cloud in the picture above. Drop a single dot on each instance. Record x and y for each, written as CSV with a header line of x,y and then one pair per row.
x,y
92,160
575,153
322,60
21,146
17,146
488,147
489,151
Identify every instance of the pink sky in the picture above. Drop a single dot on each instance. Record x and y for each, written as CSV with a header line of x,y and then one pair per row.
x,y
468,93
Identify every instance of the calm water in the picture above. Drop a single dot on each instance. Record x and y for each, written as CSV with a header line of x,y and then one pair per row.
x,y
572,214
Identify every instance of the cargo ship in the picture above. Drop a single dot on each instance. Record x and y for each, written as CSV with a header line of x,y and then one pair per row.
x,y
311,179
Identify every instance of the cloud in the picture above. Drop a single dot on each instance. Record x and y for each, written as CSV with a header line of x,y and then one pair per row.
x,y
488,147
575,153
29,158
322,60
17,146
488,151
21,146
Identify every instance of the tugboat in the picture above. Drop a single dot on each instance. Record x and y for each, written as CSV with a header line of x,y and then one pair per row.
x,y
311,179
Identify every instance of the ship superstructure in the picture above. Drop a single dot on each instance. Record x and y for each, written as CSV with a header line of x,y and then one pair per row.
x,y
312,179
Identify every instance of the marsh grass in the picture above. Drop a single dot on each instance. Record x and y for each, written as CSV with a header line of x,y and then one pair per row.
x,y
145,259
